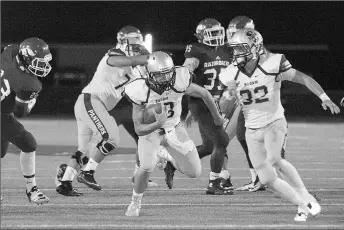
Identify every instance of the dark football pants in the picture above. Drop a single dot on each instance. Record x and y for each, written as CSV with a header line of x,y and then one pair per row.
x,y
13,131
214,138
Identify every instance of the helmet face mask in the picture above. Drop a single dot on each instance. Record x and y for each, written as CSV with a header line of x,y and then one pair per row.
x,y
247,45
35,56
126,36
210,32
161,72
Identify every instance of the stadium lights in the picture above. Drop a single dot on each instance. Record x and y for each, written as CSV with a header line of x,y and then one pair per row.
x,y
148,42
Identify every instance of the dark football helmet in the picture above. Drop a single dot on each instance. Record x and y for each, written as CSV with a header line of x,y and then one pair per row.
x,y
161,72
128,35
34,55
239,22
210,32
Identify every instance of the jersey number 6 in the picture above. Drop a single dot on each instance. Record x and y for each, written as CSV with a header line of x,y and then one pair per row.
x,y
247,95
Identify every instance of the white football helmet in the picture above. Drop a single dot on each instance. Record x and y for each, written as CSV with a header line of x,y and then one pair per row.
x,y
237,23
161,71
127,36
247,45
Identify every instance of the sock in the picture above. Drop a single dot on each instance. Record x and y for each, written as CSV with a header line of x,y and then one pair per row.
x,y
27,164
91,165
289,173
224,174
69,174
214,176
253,174
137,194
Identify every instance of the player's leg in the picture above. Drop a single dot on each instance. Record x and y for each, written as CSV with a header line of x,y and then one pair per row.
x,y
106,134
148,147
220,139
264,148
123,116
183,152
286,169
26,142
77,160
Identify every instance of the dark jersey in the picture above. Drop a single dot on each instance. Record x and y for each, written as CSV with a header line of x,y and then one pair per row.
x,y
15,82
211,62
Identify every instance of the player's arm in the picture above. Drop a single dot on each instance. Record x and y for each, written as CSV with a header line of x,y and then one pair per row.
x,y
342,102
118,59
142,129
191,63
302,78
24,102
197,91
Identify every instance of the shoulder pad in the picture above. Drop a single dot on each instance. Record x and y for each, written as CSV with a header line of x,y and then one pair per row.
x,y
194,50
115,52
183,79
137,91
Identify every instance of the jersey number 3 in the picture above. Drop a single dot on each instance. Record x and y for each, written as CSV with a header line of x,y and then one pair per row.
x,y
212,76
4,91
247,95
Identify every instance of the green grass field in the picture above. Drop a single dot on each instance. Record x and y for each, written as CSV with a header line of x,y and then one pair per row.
x,y
317,151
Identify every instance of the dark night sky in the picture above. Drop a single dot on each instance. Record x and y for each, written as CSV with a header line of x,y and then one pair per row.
x,y
170,22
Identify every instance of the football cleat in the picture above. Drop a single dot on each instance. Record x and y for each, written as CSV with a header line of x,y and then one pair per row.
x,y
301,217
314,208
256,186
87,178
66,189
37,196
215,188
226,184
135,207
169,174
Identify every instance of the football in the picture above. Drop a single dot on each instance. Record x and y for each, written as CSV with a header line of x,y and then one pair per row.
x,y
148,115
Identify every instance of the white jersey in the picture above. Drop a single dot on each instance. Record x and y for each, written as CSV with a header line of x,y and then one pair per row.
x,y
108,81
259,92
139,93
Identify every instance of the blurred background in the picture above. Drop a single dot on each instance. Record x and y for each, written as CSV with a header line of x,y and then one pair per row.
x,y
79,33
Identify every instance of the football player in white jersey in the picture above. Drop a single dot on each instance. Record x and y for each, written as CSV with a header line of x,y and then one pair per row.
x,y
164,88
255,78
342,102
97,129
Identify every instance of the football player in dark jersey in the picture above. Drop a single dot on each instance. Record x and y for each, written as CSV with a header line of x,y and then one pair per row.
x,y
206,59
20,67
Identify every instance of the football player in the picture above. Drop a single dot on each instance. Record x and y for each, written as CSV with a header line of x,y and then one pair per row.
x,y
206,59
97,129
20,68
255,78
342,102
237,123
165,87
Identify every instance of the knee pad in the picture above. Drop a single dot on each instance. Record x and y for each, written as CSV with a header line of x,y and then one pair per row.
x,y
80,158
26,142
106,146
266,173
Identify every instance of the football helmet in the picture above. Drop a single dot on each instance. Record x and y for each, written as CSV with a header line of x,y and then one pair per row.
x,y
34,55
161,72
127,36
210,32
247,45
239,22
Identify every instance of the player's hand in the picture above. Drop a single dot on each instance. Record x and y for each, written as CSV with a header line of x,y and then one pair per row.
x,y
342,102
220,121
189,120
332,106
232,87
139,49
161,118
